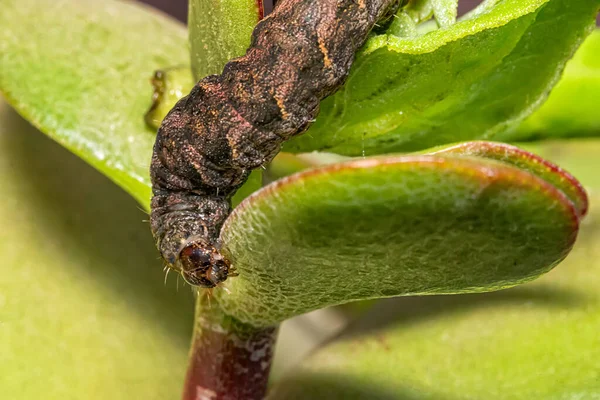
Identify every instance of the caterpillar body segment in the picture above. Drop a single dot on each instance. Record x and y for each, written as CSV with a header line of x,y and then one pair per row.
x,y
235,122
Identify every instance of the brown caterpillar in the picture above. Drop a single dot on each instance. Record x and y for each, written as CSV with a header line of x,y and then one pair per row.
x,y
235,122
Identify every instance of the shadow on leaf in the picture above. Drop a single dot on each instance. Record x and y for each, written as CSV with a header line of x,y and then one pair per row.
x,y
96,223
406,310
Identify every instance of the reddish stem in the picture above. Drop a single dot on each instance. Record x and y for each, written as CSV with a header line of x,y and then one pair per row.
x,y
229,360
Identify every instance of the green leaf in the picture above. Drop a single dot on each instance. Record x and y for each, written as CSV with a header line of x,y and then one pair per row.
x,y
80,71
527,161
220,31
389,226
572,108
538,341
287,164
470,80
254,182
84,312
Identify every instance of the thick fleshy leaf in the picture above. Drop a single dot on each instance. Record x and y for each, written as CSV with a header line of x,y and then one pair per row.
x,y
572,108
287,164
539,341
220,31
80,71
84,312
527,161
390,226
467,81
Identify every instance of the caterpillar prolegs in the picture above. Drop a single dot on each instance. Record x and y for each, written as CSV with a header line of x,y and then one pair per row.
x,y
235,122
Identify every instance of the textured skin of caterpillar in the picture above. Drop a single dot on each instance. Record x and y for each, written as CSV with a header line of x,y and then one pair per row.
x,y
235,122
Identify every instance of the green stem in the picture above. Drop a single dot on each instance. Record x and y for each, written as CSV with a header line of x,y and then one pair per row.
x,y
220,31
229,359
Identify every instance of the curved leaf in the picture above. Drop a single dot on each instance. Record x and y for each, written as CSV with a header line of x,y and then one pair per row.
x,y
527,161
391,226
80,72
287,164
84,312
572,108
470,80
538,341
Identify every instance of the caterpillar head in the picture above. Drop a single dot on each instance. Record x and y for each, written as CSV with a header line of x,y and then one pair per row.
x,y
202,265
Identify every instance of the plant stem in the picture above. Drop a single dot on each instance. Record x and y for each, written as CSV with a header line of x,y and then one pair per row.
x,y
229,360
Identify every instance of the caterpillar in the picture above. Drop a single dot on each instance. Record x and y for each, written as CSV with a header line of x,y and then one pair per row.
x,y
232,123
